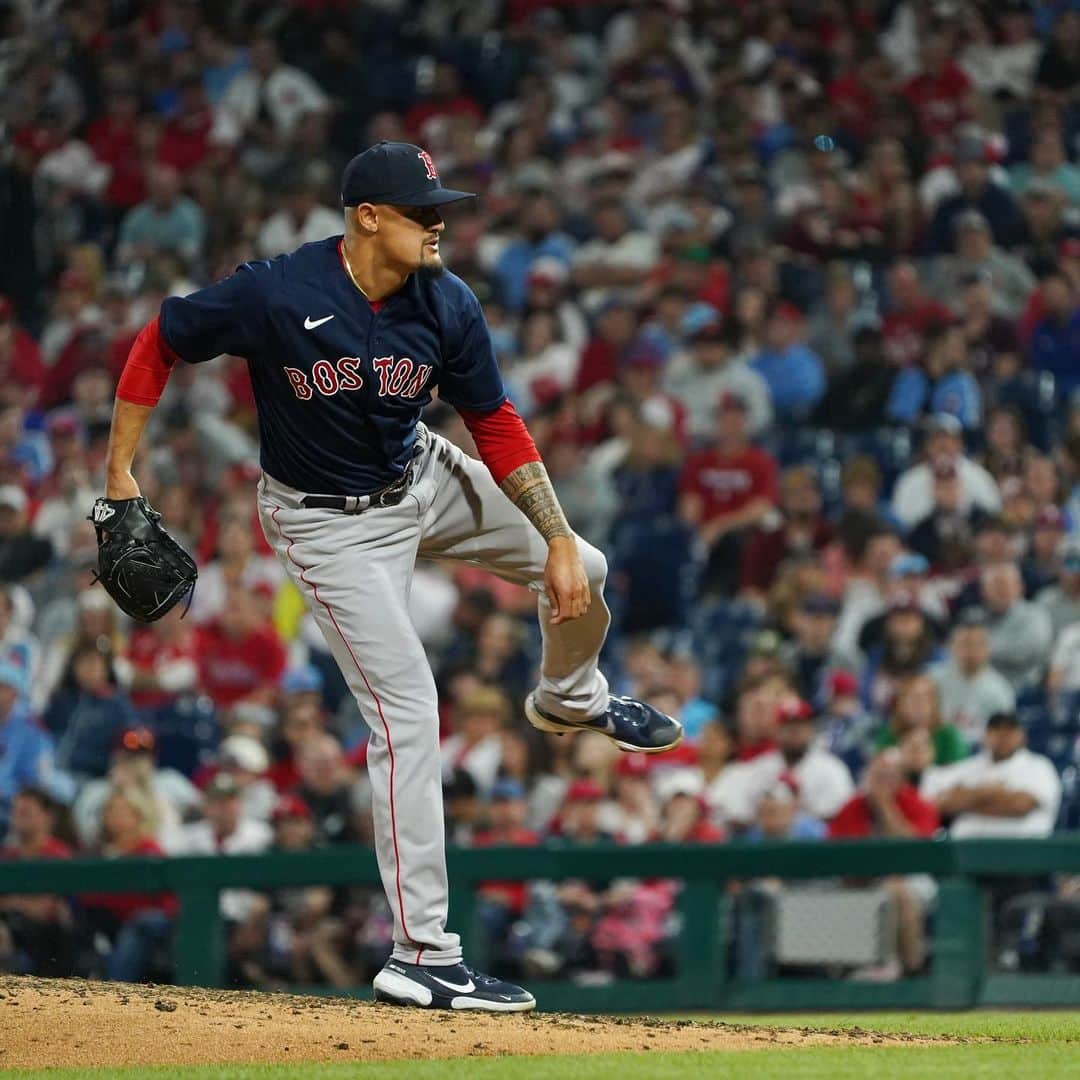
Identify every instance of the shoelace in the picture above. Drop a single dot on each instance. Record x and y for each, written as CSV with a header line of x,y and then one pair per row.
x,y
636,713
479,977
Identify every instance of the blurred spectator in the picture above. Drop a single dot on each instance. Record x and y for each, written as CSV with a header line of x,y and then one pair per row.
x,y
18,646
21,552
907,647
223,830
501,902
856,397
800,530
475,745
238,565
1042,566
463,809
27,754
913,497
326,786
138,925
633,814
539,235
87,714
160,662
546,364
940,92
166,223
613,261
1004,791
916,704
301,220
940,383
1011,282
845,727
270,97
993,343
21,372
37,933
1055,341
1064,674
1021,633
980,203
726,489
1047,164
791,369
1062,601
96,622
836,320
888,805
778,817
820,779
684,813
970,689
699,378
302,719
134,768
244,757
293,934
945,537
240,656
912,311
810,656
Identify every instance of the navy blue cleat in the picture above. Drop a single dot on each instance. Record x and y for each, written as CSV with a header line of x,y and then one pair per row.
x,y
453,987
629,724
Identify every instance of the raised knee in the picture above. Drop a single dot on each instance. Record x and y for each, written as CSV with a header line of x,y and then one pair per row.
x,y
595,564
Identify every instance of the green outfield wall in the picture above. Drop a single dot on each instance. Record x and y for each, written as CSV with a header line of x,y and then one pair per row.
x,y
959,974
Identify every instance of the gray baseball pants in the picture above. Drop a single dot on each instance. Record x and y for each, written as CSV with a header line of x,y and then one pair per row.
x,y
355,572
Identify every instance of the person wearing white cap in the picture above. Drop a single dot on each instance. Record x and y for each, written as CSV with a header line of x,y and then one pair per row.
x,y
246,759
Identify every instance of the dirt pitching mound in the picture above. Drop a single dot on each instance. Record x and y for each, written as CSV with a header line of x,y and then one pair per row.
x,y
46,1022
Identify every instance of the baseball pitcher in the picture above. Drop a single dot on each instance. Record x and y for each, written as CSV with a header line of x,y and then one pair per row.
x,y
346,340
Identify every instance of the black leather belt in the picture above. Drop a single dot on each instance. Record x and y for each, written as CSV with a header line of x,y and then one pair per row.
x,y
390,495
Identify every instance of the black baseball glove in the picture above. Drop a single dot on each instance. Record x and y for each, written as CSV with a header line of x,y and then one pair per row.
x,y
141,566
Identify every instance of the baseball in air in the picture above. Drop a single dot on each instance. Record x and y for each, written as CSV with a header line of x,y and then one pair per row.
x,y
824,143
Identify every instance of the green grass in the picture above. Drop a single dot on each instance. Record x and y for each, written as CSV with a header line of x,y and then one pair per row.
x,y
1039,1044
1048,1026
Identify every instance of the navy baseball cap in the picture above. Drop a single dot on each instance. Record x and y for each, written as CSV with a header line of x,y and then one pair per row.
x,y
399,174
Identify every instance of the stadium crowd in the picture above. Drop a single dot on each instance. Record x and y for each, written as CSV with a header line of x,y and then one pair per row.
x,y
789,295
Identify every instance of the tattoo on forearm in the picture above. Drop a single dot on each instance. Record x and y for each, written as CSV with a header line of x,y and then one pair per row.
x,y
530,490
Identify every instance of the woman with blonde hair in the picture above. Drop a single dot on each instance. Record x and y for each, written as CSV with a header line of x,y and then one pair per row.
x,y
916,704
137,924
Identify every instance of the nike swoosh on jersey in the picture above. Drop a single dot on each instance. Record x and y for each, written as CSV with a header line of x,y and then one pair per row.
x,y
310,323
468,987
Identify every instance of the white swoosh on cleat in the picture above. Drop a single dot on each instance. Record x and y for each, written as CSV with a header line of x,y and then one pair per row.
x,y
310,323
468,988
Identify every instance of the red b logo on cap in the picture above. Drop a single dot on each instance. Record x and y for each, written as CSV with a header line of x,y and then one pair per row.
x,y
425,157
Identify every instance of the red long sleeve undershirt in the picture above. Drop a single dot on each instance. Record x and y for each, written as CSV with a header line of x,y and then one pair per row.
x,y
148,367
501,438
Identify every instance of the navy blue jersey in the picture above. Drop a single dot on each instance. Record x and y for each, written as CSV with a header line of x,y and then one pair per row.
x,y
339,387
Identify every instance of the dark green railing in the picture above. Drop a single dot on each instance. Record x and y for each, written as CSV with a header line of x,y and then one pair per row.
x,y
958,976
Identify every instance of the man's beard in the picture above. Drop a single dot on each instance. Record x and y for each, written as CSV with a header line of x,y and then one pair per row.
x,y
432,269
